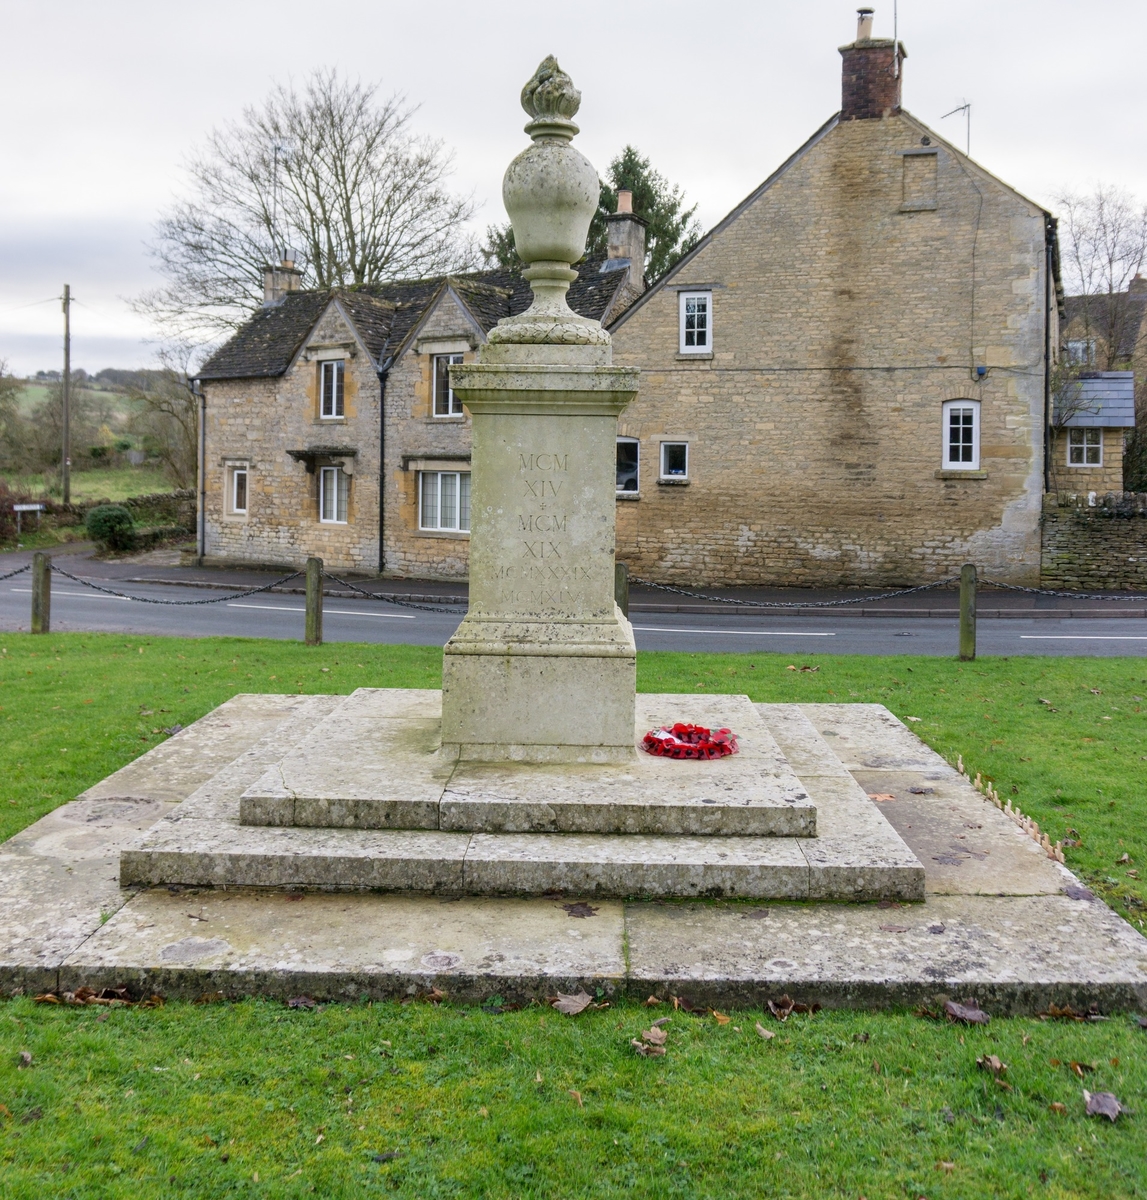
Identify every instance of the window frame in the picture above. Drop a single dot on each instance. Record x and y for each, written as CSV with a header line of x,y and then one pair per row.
x,y
664,475
451,400
682,302
636,490
338,401
1084,430
462,502
342,495
963,465
233,488
1080,352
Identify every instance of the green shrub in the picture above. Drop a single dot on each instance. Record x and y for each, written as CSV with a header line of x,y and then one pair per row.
x,y
111,525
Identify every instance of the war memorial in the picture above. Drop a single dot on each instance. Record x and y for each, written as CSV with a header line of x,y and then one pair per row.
x,y
394,841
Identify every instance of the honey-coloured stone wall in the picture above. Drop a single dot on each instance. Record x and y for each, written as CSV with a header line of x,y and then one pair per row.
x,y
848,306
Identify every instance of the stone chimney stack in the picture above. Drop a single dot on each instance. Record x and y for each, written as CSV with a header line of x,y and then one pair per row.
x,y
278,281
870,84
627,238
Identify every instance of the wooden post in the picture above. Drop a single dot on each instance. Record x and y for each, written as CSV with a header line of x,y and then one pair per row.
x,y
41,592
967,612
621,586
314,635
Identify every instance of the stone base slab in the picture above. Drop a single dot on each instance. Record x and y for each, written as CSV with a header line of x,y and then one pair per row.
x,y
376,762
1000,927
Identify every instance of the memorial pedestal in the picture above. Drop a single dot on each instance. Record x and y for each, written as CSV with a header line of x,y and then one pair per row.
x,y
543,667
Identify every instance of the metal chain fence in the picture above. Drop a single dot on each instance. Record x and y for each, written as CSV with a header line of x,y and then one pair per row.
x,y
174,603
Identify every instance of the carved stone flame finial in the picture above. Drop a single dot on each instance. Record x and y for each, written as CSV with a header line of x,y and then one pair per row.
x,y
551,192
551,92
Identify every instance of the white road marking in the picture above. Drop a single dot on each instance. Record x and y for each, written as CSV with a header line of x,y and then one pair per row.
x,y
334,612
1083,637
730,632
79,595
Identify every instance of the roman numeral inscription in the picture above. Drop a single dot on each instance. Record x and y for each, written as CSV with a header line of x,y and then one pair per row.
x,y
541,523
542,487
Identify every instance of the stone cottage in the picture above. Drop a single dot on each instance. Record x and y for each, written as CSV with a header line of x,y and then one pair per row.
x,y
1105,337
847,380
330,428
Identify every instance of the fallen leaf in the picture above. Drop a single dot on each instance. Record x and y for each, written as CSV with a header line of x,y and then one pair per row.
x,y
25,1059
935,928
969,1012
914,718
319,1139
572,1005
577,1097
387,1157
765,1033
922,791
875,1067
782,1007
989,1062
880,797
720,1018
861,1037
1124,858
652,1002
1081,1068
1056,1107
483,1111
538,1077
1027,1037
661,1021
434,996
1102,1104
646,1051
47,998
1075,891
894,928
946,1167
655,1036
300,1002
580,910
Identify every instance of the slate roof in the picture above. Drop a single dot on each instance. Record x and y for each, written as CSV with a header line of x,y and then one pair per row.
x,y
1098,400
386,315
1126,322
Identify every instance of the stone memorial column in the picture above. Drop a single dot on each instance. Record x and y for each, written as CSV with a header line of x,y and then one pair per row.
x,y
543,667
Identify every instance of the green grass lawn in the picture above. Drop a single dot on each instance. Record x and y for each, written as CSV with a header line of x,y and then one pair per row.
x,y
199,1100
255,1099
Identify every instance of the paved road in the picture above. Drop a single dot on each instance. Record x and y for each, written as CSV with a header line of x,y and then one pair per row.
x,y
75,607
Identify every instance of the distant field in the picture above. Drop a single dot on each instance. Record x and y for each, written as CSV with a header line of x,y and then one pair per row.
x,y
113,402
99,485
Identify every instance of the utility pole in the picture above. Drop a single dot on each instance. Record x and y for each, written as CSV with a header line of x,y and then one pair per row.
x,y
66,455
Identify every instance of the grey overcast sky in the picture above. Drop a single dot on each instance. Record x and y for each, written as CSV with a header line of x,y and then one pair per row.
x,y
103,101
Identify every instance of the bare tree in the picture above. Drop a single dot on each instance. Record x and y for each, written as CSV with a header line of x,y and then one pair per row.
x,y
329,170
1103,238
167,414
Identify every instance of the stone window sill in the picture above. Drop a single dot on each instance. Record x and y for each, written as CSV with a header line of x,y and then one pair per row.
x,y
920,206
695,357
628,495
329,421
450,534
452,419
961,474
673,483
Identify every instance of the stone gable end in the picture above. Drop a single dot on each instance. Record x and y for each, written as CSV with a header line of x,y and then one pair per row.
x,y
851,298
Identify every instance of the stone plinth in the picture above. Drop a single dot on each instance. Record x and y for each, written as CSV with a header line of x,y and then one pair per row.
x,y
543,667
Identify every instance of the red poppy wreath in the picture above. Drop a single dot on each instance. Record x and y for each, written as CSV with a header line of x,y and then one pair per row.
x,y
689,741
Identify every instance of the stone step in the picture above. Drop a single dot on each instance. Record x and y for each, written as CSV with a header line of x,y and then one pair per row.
x,y
376,763
219,853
